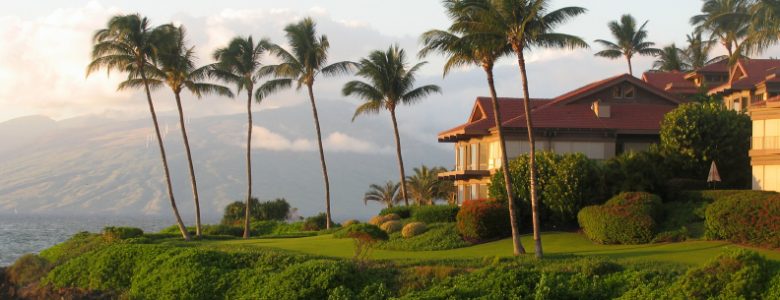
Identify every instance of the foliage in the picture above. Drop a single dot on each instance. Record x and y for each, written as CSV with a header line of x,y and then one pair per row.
x,y
387,194
349,222
564,184
392,226
276,210
634,171
437,236
426,187
413,229
121,233
695,134
629,41
403,212
671,59
28,269
312,279
739,274
376,220
628,218
435,213
745,218
76,245
482,220
365,236
315,223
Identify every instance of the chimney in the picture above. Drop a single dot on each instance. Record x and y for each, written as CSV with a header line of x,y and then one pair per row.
x,y
600,109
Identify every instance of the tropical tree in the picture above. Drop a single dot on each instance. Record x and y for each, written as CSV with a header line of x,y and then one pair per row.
x,y
728,21
301,65
426,187
176,69
671,58
765,23
629,41
466,45
525,24
385,194
127,45
239,64
697,53
390,84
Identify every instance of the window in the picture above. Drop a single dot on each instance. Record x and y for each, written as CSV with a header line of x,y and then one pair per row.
x,y
628,92
617,92
461,163
474,165
483,191
474,191
461,193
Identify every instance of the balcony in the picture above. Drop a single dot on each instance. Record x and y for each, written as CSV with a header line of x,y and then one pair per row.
x,y
471,171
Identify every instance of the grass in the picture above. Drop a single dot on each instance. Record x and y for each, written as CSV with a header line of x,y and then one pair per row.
x,y
556,244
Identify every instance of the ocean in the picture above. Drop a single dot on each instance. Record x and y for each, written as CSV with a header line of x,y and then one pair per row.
x,y
20,234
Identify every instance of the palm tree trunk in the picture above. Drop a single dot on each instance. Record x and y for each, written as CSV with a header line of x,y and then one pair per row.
x,y
179,222
400,158
517,246
189,161
248,208
322,156
531,155
630,68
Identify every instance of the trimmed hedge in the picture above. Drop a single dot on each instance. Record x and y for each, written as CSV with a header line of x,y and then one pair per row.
x,y
364,228
404,212
482,220
121,233
392,226
435,213
413,229
628,218
745,218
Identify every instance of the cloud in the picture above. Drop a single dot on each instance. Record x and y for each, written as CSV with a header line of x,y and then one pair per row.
x,y
340,142
263,138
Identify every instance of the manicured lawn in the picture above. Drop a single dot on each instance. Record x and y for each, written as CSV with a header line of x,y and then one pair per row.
x,y
555,244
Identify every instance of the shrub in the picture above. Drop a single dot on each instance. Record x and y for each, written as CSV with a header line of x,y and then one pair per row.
x,y
28,269
376,220
413,229
348,223
745,218
313,279
391,226
438,236
372,230
315,223
481,220
634,171
391,217
739,274
276,210
121,233
76,245
676,186
365,236
259,228
628,218
221,229
402,211
435,213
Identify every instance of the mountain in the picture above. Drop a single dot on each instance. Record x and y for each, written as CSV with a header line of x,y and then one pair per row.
x,y
98,166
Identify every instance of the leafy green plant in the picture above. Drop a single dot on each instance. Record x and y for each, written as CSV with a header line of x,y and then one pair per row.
x,y
315,223
438,236
482,220
121,233
350,222
739,274
403,212
628,218
745,218
276,210
413,229
76,245
392,226
435,213
28,269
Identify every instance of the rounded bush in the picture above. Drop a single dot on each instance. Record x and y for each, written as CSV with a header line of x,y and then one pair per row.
x,y
363,230
737,274
628,218
481,220
28,269
376,220
350,222
391,226
413,229
745,218
435,213
402,211
391,217
121,233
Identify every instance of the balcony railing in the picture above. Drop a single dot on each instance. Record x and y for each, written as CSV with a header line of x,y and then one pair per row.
x,y
482,166
765,143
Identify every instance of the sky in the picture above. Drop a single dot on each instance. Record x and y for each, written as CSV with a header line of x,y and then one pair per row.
x,y
46,43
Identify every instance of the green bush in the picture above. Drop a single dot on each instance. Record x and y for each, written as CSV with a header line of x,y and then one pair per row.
x,y
628,218
221,229
260,228
76,245
413,229
438,236
390,217
350,222
27,269
745,218
276,210
313,279
404,212
676,186
315,223
371,230
711,196
392,226
635,171
739,274
435,213
121,233
483,220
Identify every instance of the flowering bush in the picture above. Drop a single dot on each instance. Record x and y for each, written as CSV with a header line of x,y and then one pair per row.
x,y
628,218
480,220
745,218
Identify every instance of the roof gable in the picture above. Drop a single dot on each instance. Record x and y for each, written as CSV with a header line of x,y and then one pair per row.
x,y
599,86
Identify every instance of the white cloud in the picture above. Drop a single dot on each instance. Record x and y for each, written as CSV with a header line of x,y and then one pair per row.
x,y
263,138
340,142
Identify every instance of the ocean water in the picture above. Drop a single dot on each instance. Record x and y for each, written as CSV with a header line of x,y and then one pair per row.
x,y
20,234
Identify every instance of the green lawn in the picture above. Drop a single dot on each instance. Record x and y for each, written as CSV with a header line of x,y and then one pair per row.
x,y
555,244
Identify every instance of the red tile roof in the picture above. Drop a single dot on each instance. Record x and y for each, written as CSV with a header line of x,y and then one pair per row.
x,y
509,108
750,72
673,82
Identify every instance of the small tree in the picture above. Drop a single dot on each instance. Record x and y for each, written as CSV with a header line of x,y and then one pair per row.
x,y
365,236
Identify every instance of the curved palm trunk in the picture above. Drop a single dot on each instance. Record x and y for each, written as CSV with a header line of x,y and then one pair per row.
x,y
182,228
630,68
400,157
248,208
517,246
322,156
531,155
193,182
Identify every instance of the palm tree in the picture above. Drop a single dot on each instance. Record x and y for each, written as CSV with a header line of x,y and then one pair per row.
x,y
628,41
126,45
387,194
671,58
728,21
698,51
462,46
426,187
765,23
239,64
525,24
307,59
391,83
176,69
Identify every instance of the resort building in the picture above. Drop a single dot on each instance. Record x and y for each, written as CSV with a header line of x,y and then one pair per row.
x,y
765,146
750,81
672,83
601,120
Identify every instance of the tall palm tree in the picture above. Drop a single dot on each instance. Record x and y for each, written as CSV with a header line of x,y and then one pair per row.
x,y
462,47
697,53
671,58
525,24
426,187
387,194
391,83
307,59
765,24
728,21
176,69
127,45
629,41
239,64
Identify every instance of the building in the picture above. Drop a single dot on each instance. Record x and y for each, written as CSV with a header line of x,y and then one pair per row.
x,y
673,83
765,146
749,81
601,120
